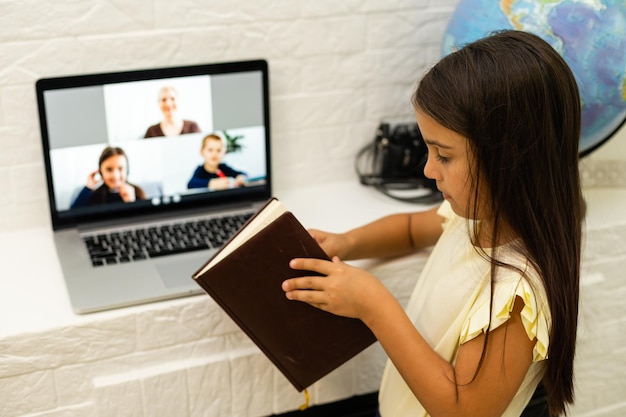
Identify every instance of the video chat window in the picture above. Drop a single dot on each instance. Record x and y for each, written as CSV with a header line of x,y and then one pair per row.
x,y
88,124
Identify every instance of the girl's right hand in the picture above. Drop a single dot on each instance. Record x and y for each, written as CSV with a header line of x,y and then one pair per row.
x,y
92,179
334,244
342,289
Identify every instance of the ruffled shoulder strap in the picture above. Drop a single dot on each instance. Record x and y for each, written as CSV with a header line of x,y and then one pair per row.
x,y
445,211
535,313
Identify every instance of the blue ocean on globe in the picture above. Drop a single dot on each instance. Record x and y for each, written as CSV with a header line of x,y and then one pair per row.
x,y
589,34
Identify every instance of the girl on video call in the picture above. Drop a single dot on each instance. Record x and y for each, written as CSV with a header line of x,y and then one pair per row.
x,y
490,329
113,170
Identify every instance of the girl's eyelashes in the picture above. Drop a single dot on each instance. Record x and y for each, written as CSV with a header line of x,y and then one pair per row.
x,y
434,150
438,156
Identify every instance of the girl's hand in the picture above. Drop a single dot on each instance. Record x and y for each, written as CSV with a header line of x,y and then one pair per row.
x,y
92,179
127,192
334,244
344,290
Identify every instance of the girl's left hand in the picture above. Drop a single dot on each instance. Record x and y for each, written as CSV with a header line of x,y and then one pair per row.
x,y
127,192
344,290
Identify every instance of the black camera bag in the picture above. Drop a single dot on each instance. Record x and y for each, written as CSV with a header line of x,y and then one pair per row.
x,y
396,160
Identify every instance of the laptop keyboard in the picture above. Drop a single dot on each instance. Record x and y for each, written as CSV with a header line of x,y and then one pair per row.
x,y
154,241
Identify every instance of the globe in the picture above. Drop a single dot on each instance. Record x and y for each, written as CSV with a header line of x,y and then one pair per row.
x,y
590,35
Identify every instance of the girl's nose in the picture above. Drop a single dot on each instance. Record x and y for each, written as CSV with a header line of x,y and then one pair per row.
x,y
430,170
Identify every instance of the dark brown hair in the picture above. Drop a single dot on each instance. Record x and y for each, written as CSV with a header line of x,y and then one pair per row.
x,y
516,101
110,151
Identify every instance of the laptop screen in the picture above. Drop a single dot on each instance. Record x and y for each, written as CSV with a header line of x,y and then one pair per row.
x,y
157,141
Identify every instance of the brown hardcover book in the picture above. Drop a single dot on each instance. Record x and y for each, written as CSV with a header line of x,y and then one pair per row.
x,y
245,279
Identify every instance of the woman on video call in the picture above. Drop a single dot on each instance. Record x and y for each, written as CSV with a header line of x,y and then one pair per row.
x,y
172,123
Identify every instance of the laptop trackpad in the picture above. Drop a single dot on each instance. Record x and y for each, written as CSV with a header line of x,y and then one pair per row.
x,y
177,272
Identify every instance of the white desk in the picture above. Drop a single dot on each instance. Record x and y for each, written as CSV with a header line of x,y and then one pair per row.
x,y
185,357
180,357
34,293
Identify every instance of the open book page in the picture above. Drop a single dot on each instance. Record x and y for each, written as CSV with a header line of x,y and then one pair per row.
x,y
266,216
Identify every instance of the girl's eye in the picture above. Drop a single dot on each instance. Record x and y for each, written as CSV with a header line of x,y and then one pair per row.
x,y
435,152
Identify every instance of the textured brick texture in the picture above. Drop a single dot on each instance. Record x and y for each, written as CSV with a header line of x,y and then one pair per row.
x,y
336,69
186,360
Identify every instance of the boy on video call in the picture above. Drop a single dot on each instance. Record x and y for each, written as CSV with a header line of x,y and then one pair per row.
x,y
214,174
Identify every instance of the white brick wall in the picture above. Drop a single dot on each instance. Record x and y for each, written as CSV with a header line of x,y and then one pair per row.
x,y
185,360
600,377
336,69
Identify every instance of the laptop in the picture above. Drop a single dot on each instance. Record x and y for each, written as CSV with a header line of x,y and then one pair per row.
x,y
129,224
